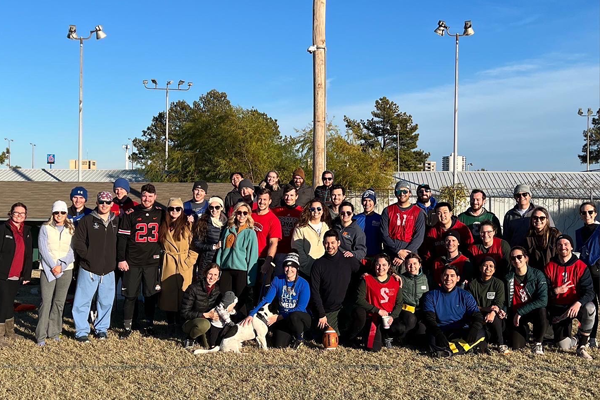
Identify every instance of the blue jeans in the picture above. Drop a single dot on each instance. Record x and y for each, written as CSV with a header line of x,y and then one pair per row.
x,y
87,285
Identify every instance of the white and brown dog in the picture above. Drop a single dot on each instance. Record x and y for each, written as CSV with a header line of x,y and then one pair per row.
x,y
256,330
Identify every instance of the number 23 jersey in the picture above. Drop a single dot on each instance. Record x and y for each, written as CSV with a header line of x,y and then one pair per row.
x,y
138,236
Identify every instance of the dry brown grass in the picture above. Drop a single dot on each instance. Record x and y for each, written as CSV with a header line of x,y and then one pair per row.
x,y
147,368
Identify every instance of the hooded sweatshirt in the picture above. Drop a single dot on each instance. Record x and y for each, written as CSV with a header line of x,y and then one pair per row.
x,y
574,271
352,238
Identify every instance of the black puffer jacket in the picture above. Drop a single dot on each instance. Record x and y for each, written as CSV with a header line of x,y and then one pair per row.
x,y
204,246
196,300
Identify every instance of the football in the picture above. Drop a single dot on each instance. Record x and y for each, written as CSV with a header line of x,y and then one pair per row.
x,y
330,339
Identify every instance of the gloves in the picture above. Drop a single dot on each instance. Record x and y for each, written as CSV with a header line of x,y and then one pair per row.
x,y
267,270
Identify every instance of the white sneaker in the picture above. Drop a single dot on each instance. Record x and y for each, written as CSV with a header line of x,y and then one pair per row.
x,y
582,352
503,349
539,349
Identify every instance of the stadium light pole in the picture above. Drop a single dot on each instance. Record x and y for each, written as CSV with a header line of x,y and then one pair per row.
x,y
589,114
9,152
442,30
32,155
131,145
72,35
166,89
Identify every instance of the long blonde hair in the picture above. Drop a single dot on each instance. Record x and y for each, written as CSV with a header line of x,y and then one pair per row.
x,y
68,224
249,221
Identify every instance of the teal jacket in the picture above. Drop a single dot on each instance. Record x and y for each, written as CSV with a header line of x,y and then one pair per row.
x,y
243,255
536,287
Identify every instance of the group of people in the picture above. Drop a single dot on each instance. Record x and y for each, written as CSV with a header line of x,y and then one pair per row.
x,y
414,274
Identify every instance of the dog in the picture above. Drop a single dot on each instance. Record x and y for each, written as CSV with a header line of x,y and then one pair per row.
x,y
256,330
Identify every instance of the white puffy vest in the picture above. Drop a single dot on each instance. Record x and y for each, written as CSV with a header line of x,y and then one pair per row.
x,y
59,244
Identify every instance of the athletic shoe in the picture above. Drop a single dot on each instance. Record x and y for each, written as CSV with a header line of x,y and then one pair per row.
x,y
125,334
582,352
101,336
188,343
42,343
83,339
388,342
148,332
57,339
297,344
593,343
503,349
539,349
441,354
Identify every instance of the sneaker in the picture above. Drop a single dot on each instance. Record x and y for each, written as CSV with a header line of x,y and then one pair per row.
x,y
388,342
101,336
538,349
503,349
593,343
125,334
188,343
83,339
42,343
57,339
441,354
582,352
149,331
296,344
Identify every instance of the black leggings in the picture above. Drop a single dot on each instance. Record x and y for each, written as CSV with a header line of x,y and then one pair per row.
x,y
236,281
291,327
493,331
8,292
519,334
149,309
360,323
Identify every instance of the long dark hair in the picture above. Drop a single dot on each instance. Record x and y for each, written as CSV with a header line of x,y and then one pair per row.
x,y
200,227
547,231
180,228
305,216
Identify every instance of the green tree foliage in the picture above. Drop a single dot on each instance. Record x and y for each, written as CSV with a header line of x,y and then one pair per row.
x,y
381,133
4,156
594,143
457,195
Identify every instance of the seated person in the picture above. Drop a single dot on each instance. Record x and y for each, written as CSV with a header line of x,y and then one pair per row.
x,y
414,286
293,294
378,305
453,321
527,297
572,295
453,257
489,294
199,300
492,246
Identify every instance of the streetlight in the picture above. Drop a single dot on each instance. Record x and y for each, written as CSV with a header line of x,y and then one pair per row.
x,y
32,155
9,140
130,140
126,148
468,31
166,89
72,35
589,114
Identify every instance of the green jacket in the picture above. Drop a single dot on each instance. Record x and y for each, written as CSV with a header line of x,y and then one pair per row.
x,y
243,255
537,289
413,288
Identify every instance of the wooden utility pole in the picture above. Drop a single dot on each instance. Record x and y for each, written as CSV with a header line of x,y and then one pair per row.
x,y
319,53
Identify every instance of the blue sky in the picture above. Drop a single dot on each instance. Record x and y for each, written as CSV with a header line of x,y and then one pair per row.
x,y
523,75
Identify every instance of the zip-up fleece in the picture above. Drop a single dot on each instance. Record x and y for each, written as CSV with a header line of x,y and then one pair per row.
x,y
95,242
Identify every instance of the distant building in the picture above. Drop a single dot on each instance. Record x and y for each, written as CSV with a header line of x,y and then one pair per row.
x,y
429,166
85,164
448,163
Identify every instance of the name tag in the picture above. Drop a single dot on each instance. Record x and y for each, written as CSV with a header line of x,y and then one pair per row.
x,y
491,295
423,287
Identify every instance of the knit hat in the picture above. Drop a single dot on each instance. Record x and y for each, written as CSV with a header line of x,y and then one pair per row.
x,y
292,260
201,184
370,194
454,234
175,202
228,299
79,191
105,196
59,205
566,237
488,258
245,183
299,172
522,189
121,183
216,200
401,185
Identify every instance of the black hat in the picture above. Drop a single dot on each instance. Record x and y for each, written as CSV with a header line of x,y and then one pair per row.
x,y
201,184
566,237
454,234
293,260
245,183
423,186
488,258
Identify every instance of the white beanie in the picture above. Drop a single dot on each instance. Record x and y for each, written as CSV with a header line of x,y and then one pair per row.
x,y
59,205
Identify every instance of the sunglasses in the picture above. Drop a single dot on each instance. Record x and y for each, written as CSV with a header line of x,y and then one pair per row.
x,y
178,209
517,257
105,202
313,209
536,218
214,208
241,213
59,212
327,179
402,192
589,212
348,213
518,195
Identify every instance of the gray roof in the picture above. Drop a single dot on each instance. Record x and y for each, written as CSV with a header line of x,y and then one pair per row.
x,y
574,185
68,175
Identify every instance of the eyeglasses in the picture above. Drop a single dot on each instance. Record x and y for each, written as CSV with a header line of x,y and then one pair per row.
x,y
178,209
589,212
518,195
22,214
327,179
313,209
536,218
486,232
214,208
348,213
424,191
517,257
59,212
104,202
402,192
241,213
